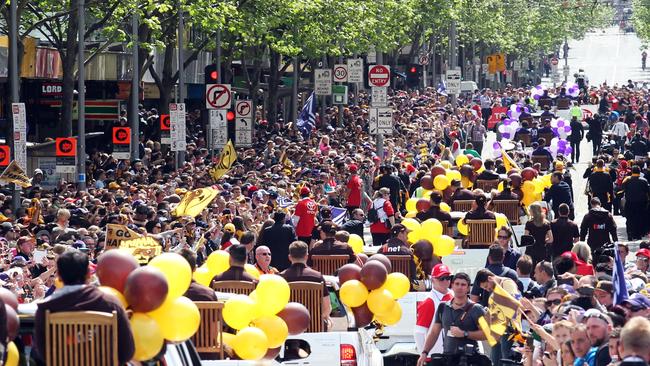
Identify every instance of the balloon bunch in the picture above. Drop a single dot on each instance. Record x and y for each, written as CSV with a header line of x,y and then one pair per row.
x,y
560,146
264,319
431,231
356,242
561,128
501,220
154,294
217,263
533,185
516,110
372,292
13,325
573,90
508,128
537,92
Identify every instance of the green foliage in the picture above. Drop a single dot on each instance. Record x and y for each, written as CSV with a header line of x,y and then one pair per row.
x,y
641,18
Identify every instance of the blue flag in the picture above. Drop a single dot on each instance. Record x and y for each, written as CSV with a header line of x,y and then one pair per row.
x,y
338,215
307,118
618,279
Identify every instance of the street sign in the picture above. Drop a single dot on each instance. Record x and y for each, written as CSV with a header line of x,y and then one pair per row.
x,y
244,132
379,96
424,59
516,65
509,76
566,70
66,154
323,81
379,75
217,96
340,94
121,142
218,128
244,109
19,115
381,121
555,77
178,133
485,68
371,57
341,73
355,70
453,81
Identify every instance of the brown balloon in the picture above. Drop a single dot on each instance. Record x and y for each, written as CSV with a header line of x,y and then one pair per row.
x,y
113,267
146,289
373,274
528,174
384,260
437,170
362,315
426,182
9,298
13,322
363,258
272,353
349,272
515,179
296,316
476,163
422,204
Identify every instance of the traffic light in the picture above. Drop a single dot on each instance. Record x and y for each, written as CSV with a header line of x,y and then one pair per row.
x,y
211,74
413,75
230,116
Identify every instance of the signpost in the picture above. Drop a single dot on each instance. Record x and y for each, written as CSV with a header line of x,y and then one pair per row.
x,y
177,122
66,154
20,134
381,121
218,128
379,75
341,73
323,81
217,96
244,123
122,142
453,81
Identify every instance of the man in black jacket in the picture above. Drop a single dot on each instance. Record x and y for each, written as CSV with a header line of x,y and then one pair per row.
x,y
355,224
559,193
278,237
601,185
639,147
599,225
488,173
577,134
595,132
636,191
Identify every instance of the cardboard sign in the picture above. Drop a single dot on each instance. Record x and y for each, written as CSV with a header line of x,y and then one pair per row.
x,y
121,135
5,155
66,146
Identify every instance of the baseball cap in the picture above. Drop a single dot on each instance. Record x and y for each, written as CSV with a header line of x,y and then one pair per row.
x,y
305,190
605,286
230,228
353,167
643,252
638,301
440,270
398,228
574,257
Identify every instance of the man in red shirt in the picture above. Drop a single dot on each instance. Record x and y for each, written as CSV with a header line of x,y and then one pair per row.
x,y
353,189
304,219
426,310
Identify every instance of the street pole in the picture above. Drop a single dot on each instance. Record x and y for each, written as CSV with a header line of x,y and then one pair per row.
x,y
218,60
324,99
380,136
181,71
294,91
453,60
135,92
14,75
340,107
81,99
566,58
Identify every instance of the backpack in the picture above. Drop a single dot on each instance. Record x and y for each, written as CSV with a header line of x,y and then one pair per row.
x,y
373,216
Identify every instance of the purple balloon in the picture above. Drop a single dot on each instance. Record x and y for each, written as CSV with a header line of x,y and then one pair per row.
x,y
507,122
509,114
567,129
506,135
536,96
560,123
502,128
496,146
568,150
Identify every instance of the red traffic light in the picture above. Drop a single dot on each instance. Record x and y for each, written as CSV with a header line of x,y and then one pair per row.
x,y
214,75
230,116
414,69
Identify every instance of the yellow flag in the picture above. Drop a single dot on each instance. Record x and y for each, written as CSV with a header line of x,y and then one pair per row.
x,y
508,162
503,308
195,201
226,160
485,327
14,174
115,234
142,248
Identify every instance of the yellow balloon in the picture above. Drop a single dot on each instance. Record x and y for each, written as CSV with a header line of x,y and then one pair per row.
x,y
13,356
431,229
441,182
444,246
410,204
502,220
147,337
462,226
251,270
415,235
218,262
57,282
251,343
353,293
113,292
461,160
445,207
397,284
392,316
273,292
528,187
546,180
426,193
203,276
178,319
411,224
445,164
411,215
229,339
274,327
380,301
527,200
356,242
500,187
176,270
453,175
238,311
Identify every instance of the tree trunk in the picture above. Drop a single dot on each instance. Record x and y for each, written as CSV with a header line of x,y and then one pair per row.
x,y
166,85
68,53
274,81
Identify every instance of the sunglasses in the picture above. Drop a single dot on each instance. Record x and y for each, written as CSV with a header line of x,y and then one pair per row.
x,y
503,237
445,278
266,254
553,302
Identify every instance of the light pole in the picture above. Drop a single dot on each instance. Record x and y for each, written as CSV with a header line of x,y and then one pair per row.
x,y
135,92
81,98
13,74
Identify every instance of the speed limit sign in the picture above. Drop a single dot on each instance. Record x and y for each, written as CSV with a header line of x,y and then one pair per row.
x,y
341,73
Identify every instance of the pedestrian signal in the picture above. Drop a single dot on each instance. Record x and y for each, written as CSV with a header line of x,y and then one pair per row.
x,y
121,135
5,155
66,146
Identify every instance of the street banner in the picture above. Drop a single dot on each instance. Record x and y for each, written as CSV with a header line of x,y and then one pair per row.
x,y
226,160
194,202
14,174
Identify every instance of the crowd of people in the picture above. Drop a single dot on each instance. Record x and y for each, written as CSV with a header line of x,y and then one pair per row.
x,y
318,187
